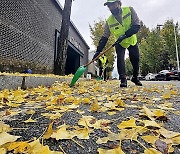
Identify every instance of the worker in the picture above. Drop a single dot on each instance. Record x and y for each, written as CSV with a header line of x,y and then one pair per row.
x,y
102,62
123,24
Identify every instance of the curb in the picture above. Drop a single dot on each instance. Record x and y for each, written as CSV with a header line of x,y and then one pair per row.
x,y
14,82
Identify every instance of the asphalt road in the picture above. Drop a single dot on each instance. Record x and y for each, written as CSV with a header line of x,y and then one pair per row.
x,y
173,82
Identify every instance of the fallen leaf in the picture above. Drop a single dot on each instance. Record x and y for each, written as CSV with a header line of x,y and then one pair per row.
x,y
151,151
111,137
95,107
149,123
127,124
148,113
19,147
161,146
5,138
4,127
3,151
117,150
150,139
62,133
168,134
49,131
30,120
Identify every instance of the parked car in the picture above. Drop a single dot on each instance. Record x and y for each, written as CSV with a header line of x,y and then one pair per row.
x,y
166,75
150,77
175,75
141,77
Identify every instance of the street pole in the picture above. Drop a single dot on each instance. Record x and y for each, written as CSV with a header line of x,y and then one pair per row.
x,y
177,56
175,38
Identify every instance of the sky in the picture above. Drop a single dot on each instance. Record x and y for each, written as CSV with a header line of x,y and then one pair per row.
x,y
151,12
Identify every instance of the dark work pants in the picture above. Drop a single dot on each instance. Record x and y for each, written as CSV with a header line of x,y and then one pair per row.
x,y
103,72
134,58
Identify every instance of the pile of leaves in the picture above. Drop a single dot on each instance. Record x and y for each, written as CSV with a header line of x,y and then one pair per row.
x,y
91,117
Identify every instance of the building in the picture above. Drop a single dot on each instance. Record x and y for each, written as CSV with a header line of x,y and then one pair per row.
x,y
29,31
93,67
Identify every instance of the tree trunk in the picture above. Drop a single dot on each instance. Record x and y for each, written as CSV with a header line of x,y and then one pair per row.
x,y
60,62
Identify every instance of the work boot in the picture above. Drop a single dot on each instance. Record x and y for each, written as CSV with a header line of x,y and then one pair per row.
x,y
136,81
123,83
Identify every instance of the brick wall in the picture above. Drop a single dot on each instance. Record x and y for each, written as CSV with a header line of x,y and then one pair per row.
x,y
27,34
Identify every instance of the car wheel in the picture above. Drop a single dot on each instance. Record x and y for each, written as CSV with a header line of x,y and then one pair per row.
x,y
167,78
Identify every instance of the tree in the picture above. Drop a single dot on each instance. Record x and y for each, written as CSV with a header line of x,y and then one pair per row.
x,y
60,62
143,32
167,32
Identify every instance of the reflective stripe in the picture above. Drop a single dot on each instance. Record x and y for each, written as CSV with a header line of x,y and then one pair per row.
x,y
113,25
127,15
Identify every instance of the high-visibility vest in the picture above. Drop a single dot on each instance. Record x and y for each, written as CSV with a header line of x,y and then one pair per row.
x,y
118,29
103,60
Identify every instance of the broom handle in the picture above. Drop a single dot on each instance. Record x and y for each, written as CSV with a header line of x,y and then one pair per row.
x,y
103,52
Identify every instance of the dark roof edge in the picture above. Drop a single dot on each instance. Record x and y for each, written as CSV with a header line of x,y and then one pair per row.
x,y
60,6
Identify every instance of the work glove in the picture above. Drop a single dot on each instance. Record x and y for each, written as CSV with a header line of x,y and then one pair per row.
x,y
120,39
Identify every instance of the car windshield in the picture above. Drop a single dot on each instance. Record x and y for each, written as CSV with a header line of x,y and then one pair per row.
x,y
164,71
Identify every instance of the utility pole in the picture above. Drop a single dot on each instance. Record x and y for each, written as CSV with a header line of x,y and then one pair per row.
x,y
175,38
60,63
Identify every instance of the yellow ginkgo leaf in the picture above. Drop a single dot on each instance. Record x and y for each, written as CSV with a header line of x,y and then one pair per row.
x,y
167,96
102,140
37,148
110,104
176,140
73,106
12,104
168,134
128,134
87,121
44,150
81,133
111,113
30,120
159,113
127,124
5,138
116,109
35,145
119,102
150,139
149,123
19,147
62,133
80,111
49,131
4,127
86,101
95,106
102,123
148,113
3,151
173,92
151,151
30,112
111,137
117,150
